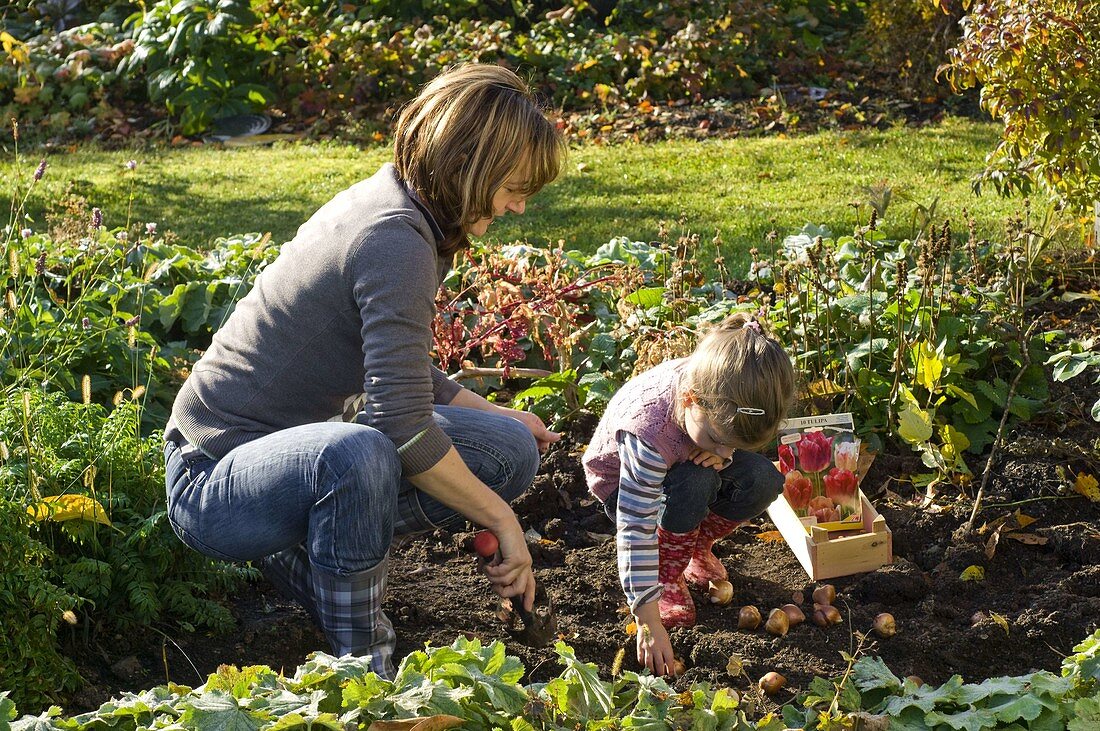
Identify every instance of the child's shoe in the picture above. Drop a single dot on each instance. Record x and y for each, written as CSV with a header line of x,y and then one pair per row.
x,y
674,550
704,566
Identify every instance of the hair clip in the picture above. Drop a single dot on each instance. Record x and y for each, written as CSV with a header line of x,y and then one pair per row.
x,y
753,325
750,411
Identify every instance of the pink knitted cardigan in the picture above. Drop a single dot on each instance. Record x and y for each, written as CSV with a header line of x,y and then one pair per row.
x,y
643,407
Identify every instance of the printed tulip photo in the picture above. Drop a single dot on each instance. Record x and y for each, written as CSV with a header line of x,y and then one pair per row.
x,y
819,459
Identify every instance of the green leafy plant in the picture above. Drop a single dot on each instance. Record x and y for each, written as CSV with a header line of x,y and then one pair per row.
x,y
477,686
86,536
874,695
61,82
1035,61
920,339
201,59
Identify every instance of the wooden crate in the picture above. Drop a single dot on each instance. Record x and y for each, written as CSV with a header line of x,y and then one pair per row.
x,y
824,554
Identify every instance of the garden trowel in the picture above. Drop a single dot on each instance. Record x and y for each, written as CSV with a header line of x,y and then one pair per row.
x,y
533,628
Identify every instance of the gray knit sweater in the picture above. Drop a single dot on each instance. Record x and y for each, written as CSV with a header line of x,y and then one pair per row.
x,y
345,308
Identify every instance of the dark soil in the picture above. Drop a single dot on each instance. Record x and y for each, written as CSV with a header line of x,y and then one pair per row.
x,y
1046,592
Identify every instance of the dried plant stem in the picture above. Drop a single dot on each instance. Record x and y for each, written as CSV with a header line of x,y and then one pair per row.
x,y
499,373
988,471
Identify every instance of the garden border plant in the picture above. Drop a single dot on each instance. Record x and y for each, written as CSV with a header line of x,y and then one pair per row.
x,y
478,686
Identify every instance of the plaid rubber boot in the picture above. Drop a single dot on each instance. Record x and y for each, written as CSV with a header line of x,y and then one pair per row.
x,y
350,610
705,566
674,552
290,572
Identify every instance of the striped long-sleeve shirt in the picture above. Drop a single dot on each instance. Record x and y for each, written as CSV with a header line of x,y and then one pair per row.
x,y
640,499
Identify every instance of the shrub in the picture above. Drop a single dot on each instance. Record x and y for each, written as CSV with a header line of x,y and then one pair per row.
x,y
909,39
97,542
81,491
201,59
1037,64
60,82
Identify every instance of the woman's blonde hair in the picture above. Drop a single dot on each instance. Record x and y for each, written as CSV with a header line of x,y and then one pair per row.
x,y
742,379
464,135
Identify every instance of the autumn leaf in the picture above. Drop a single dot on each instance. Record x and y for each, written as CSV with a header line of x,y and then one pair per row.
x,y
770,536
1000,620
736,665
1087,486
59,508
973,573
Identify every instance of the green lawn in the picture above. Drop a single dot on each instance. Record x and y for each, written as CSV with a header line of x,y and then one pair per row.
x,y
742,187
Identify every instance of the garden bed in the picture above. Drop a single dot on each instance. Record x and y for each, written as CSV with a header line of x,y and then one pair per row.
x,y
1047,591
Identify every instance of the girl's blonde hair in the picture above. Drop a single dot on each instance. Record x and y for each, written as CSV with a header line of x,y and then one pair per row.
x,y
467,132
742,379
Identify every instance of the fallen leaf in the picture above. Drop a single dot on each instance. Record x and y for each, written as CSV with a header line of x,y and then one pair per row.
x,y
736,665
973,573
990,547
1000,620
1029,538
1023,520
770,536
1087,486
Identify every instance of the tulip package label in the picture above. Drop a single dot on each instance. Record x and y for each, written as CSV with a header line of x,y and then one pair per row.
x,y
820,459
822,514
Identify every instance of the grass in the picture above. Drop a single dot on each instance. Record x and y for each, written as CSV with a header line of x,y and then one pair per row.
x,y
741,187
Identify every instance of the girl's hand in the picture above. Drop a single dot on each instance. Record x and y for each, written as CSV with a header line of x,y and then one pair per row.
x,y
511,574
543,436
654,647
704,458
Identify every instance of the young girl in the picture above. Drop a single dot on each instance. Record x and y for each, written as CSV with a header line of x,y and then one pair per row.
x,y
671,462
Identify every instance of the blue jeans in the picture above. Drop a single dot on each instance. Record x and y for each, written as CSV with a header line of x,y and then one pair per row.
x,y
334,487
742,490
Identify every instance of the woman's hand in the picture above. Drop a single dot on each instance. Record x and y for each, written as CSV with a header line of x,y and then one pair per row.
x,y
543,436
654,647
707,459
511,575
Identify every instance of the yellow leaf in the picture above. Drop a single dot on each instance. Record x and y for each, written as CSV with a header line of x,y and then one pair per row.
x,y
59,508
770,536
632,629
1023,520
1029,538
914,424
973,573
1001,621
736,665
824,387
929,365
1087,486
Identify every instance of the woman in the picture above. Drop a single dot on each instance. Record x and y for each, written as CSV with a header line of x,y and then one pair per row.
x,y
257,467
